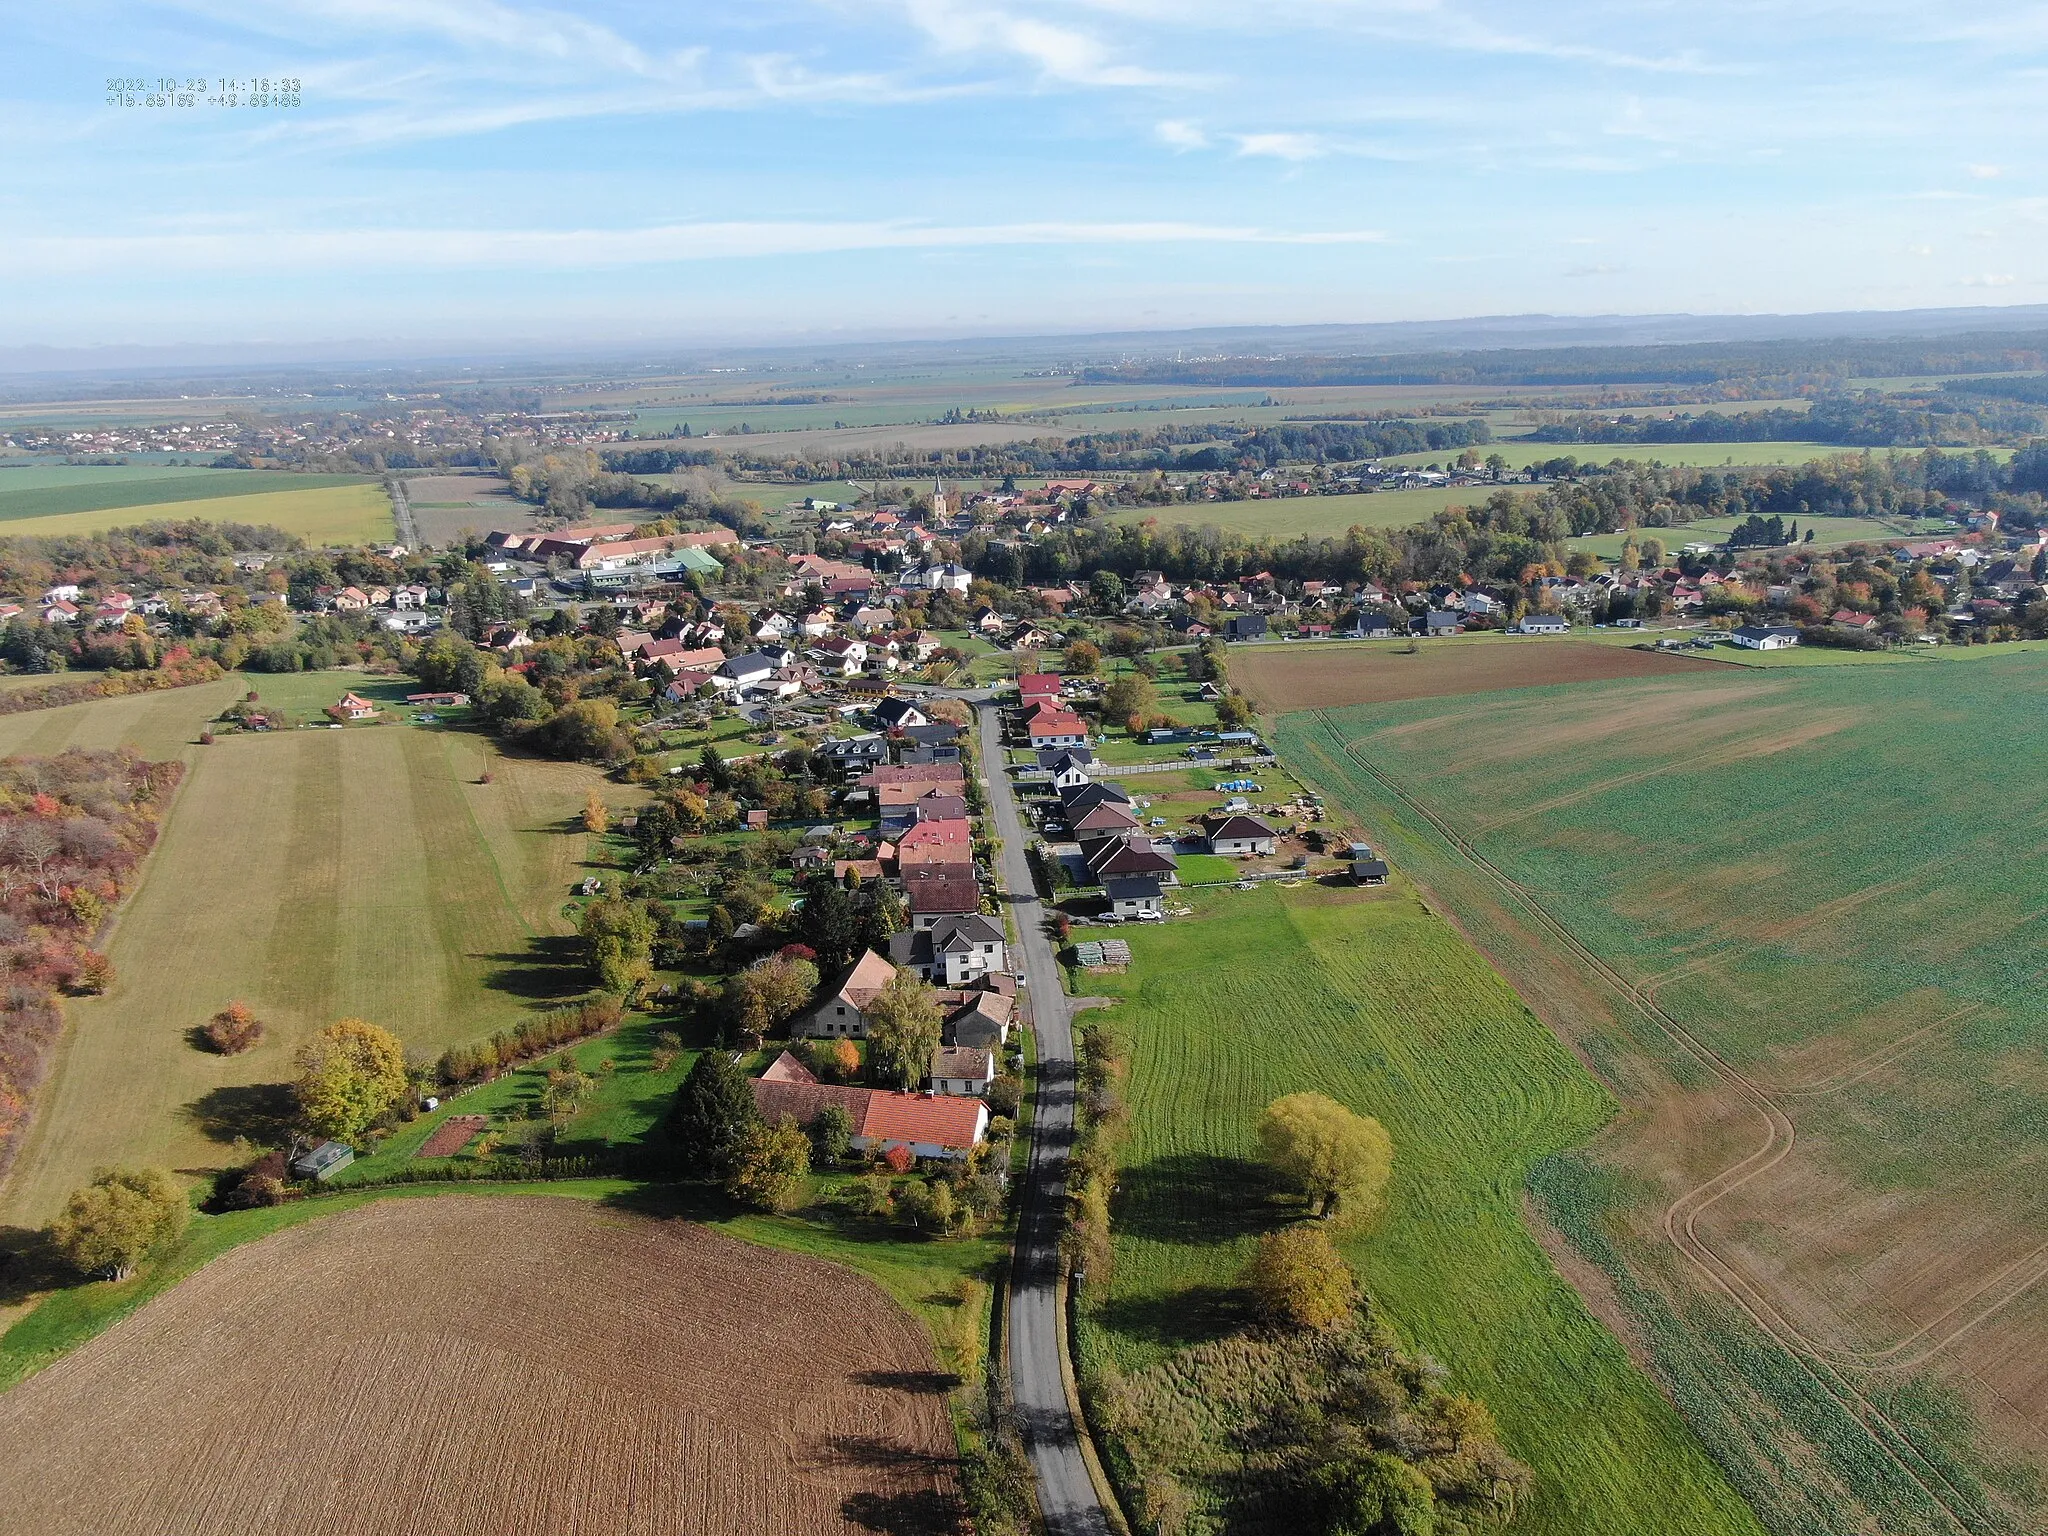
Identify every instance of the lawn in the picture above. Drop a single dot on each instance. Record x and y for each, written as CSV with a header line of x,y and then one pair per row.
x,y
314,874
1819,874
1372,999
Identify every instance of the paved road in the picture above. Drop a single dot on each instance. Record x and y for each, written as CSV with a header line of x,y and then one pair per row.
x,y
1066,1494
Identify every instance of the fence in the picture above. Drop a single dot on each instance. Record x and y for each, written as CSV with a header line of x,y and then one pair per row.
x,y
1118,770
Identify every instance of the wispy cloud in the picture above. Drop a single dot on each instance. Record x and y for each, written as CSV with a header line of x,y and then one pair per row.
x,y
1283,146
1063,54
593,249
1180,135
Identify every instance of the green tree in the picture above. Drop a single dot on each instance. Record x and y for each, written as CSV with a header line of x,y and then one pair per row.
x,y
1375,1494
786,985
1106,591
1329,1154
1299,1280
349,1074
903,1031
828,923
713,1112
116,1221
832,1132
712,769
770,1168
1128,698
618,938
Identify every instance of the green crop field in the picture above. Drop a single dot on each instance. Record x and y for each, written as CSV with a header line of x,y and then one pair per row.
x,y
1375,1001
313,874
1820,876
1521,454
322,509
55,490
1318,516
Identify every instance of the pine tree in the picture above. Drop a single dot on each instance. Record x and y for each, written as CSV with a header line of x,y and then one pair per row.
x,y
714,1111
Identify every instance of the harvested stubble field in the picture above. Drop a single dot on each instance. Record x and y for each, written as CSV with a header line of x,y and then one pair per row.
x,y
498,1365
313,874
1790,916
1288,677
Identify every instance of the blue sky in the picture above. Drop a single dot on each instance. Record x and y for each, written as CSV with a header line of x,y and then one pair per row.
x,y
487,170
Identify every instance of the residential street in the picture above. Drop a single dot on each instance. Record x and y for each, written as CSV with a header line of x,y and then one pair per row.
x,y
1066,1494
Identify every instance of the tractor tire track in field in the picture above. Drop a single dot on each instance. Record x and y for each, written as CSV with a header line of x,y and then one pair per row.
x,y
1682,1216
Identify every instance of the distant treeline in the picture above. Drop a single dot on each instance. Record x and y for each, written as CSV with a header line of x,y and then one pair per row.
x,y
1515,530
1685,363
2032,388
1864,421
1190,448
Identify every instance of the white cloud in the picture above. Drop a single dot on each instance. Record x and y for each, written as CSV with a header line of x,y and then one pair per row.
x,y
1986,172
1990,280
1066,55
1180,135
1283,146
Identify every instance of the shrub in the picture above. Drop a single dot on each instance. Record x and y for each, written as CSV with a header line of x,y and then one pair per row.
x,y
900,1159
1299,1280
233,1030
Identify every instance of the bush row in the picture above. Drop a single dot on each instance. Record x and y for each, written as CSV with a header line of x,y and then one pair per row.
x,y
463,1064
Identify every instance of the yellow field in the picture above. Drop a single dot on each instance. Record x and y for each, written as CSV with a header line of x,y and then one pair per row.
x,y
334,514
313,874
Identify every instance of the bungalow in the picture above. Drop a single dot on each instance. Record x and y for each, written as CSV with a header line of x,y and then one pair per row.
x,y
351,600
1245,626
746,671
1370,626
893,714
354,706
1761,637
961,1071
845,1011
1238,834
1542,624
441,700
1107,817
1440,621
1852,622
1128,852
1133,896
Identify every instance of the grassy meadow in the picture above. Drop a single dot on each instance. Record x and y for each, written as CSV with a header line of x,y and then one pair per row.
x,y
313,874
1820,873
1287,517
1520,455
1374,1000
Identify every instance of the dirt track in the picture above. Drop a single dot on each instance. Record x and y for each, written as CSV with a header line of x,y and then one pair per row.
x,y
502,1365
1283,677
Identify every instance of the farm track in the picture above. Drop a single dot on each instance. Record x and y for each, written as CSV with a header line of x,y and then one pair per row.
x,y
1681,1218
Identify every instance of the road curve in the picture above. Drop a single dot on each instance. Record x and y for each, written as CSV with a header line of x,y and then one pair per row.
x,y
1066,1494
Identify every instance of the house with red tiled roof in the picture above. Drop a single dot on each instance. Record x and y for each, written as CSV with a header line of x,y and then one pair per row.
x,y
948,1127
1056,728
1039,687
354,706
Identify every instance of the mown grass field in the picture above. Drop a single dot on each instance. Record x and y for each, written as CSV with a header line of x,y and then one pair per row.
x,y
1370,998
1829,876
1520,455
1827,532
313,874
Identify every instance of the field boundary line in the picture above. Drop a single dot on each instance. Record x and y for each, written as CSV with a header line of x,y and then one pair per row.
x,y
1681,1229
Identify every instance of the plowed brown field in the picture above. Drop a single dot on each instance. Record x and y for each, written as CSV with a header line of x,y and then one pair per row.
x,y
1283,678
501,1365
